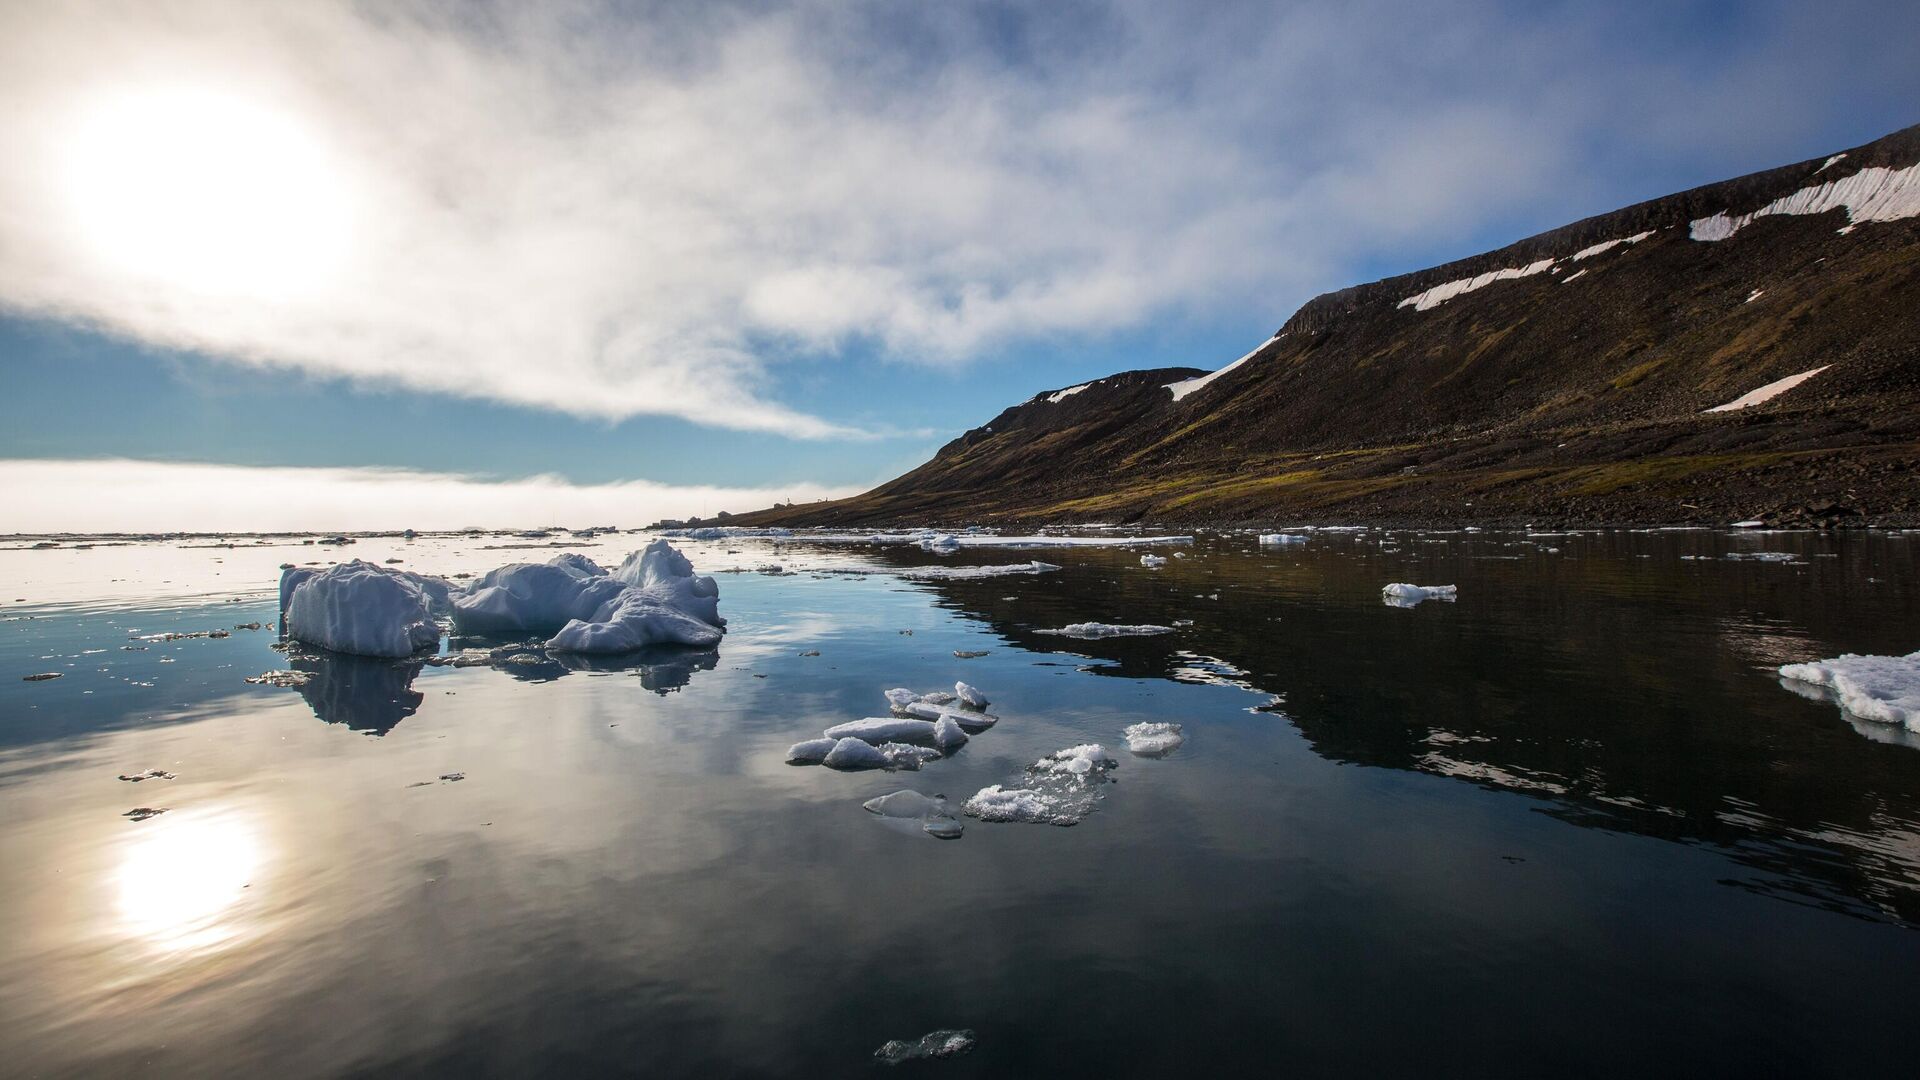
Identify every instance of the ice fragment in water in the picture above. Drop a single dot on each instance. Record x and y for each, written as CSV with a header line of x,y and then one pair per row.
x,y
937,1044
948,735
1153,562
1153,739
810,751
969,696
1400,594
882,729
1884,689
1090,630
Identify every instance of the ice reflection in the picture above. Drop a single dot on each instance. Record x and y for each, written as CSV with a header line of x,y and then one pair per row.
x,y
361,692
180,879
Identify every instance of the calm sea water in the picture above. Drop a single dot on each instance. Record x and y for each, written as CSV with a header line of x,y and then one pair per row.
x,y
1571,823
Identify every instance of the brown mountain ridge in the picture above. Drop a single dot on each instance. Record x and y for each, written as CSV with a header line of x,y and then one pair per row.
x,y
1566,377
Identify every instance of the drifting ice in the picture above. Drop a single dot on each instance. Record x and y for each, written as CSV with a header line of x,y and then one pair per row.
x,y
1400,594
1884,689
1153,562
359,608
1153,740
1090,630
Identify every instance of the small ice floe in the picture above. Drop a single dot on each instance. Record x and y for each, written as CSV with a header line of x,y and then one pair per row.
x,y
142,813
932,812
935,706
41,676
290,679
150,774
968,654
1884,689
1061,789
1281,539
853,753
884,729
937,1044
948,735
969,696
359,608
1753,523
1402,595
1092,630
1762,556
1153,739
1153,562
810,751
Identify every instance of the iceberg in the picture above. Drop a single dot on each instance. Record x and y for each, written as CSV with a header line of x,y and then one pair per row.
x,y
1091,630
1402,595
1153,739
810,751
523,597
884,729
359,608
1884,689
937,1044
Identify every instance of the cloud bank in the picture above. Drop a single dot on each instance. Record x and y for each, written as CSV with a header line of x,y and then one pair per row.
x,y
117,495
618,210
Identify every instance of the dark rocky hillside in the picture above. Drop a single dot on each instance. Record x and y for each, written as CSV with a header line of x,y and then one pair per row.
x,y
1566,377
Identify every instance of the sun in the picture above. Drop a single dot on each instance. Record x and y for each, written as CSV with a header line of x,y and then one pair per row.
x,y
208,192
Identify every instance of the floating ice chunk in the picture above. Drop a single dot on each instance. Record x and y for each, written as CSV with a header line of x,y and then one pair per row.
x,y
360,608
900,697
810,751
633,620
1079,760
1753,523
968,719
937,1044
662,570
1884,689
906,755
944,542
1762,556
853,753
1091,630
1400,594
969,696
522,597
1768,392
1153,562
1153,739
948,735
972,573
908,805
998,803
1281,539
937,697
884,729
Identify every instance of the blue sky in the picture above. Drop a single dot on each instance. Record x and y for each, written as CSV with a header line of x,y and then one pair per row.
x,y
787,247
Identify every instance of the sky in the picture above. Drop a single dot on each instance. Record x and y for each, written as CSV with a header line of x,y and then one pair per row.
x,y
334,265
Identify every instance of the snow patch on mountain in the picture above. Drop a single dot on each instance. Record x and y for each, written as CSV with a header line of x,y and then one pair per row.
x,y
1872,194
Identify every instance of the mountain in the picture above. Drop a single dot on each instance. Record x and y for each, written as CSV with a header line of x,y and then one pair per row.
x,y
1587,374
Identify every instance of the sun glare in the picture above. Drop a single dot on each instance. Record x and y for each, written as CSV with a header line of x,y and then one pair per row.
x,y
179,882
207,192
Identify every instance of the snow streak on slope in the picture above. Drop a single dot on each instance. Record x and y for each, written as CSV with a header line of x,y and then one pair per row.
x,y
1447,290
1187,386
1768,392
1872,194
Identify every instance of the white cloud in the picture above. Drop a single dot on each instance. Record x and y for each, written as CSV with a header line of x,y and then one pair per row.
x,y
117,495
573,207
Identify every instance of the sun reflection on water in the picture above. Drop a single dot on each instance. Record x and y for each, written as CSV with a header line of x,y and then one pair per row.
x,y
182,878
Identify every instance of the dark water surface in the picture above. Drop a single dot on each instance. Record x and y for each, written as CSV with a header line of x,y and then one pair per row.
x,y
1570,824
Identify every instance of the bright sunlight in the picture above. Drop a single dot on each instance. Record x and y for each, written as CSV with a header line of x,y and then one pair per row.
x,y
208,192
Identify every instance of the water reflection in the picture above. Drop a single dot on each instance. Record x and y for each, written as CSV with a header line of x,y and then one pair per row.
x,y
662,670
362,693
180,878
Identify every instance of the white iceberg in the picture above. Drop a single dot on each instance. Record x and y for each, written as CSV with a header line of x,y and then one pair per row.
x,y
1079,760
1153,562
948,735
1884,689
522,597
853,753
1091,630
884,729
810,751
1281,539
1400,594
660,601
1025,805
1153,739
969,696
360,608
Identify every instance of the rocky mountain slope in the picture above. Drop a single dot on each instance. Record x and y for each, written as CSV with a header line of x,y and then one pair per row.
x,y
1584,374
